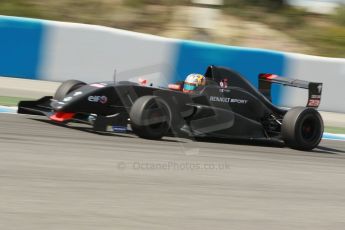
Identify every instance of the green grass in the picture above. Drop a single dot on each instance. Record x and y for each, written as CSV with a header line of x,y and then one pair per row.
x,y
11,101
324,33
133,15
339,17
335,130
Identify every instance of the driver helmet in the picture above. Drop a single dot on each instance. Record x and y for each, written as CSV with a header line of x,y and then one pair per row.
x,y
193,81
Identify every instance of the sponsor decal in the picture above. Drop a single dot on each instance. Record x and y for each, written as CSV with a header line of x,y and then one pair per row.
x,y
313,103
239,101
220,99
228,100
315,97
100,99
222,90
224,83
119,129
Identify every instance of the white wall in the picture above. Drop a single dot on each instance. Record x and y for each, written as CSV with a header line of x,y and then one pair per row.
x,y
329,71
91,53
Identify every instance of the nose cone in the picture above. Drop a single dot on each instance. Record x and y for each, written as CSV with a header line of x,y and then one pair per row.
x,y
69,100
58,105
87,99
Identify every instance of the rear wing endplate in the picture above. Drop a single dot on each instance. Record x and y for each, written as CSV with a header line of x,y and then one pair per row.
x,y
314,88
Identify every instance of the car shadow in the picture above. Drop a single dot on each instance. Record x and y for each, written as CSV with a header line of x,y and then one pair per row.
x,y
267,143
83,128
323,149
87,128
251,142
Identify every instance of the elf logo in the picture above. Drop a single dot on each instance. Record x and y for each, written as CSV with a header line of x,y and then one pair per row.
x,y
100,99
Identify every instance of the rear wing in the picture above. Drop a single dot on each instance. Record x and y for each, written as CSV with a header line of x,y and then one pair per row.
x,y
314,88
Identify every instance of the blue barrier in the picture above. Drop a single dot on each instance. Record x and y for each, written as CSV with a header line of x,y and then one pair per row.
x,y
20,46
194,57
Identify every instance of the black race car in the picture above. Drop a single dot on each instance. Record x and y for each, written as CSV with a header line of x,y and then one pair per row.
x,y
228,106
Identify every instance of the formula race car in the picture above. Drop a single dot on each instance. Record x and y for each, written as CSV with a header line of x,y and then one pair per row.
x,y
228,106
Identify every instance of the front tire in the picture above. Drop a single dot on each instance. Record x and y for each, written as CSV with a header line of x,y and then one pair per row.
x,y
150,117
302,128
67,87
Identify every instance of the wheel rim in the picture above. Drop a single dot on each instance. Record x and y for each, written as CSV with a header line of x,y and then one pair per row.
x,y
309,129
157,116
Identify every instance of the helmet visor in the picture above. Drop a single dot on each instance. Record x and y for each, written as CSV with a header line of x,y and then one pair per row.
x,y
189,86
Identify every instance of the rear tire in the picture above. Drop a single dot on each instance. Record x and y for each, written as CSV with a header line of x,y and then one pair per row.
x,y
67,87
150,117
302,128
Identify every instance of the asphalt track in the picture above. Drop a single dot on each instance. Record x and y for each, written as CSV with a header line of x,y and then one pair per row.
x,y
52,177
